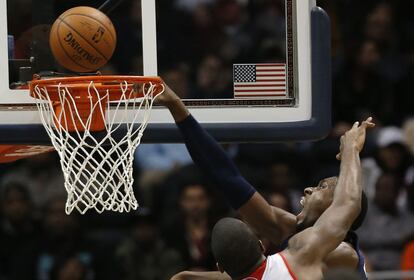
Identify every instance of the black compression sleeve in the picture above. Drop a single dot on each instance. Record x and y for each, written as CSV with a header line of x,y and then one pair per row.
x,y
210,157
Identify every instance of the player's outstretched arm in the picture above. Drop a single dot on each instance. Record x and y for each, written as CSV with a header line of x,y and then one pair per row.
x,y
193,275
315,243
209,156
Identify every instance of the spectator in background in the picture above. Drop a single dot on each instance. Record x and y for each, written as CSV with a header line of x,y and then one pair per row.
x,y
18,234
204,30
144,255
386,227
212,79
42,175
408,135
269,23
391,156
379,24
69,269
236,39
191,5
190,232
64,248
283,180
155,163
280,200
127,59
410,194
360,89
162,157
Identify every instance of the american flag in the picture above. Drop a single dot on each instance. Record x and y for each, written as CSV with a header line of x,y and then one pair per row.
x,y
259,80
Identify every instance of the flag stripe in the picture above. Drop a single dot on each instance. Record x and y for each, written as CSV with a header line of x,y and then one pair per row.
x,y
260,94
261,90
270,65
266,68
270,80
271,75
260,80
271,70
261,85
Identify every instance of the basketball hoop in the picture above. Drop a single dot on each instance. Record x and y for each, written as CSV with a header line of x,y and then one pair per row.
x,y
97,166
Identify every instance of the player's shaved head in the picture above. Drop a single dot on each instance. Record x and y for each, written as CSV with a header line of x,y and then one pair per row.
x,y
236,248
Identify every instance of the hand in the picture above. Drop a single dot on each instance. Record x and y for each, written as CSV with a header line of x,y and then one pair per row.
x,y
168,97
174,104
355,137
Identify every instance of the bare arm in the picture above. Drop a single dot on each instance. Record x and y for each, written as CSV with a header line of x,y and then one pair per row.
x,y
343,256
193,275
315,243
274,223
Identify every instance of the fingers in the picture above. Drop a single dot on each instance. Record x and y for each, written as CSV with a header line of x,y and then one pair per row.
x,y
365,124
356,124
368,123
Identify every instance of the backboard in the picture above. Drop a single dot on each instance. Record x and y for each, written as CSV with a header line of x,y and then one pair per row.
x,y
248,70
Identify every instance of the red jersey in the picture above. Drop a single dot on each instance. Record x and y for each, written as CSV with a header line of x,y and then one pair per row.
x,y
275,267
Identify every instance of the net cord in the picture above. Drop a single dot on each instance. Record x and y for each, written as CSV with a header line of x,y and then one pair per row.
x,y
97,170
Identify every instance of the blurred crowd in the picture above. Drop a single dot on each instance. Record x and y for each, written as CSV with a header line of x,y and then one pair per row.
x,y
373,67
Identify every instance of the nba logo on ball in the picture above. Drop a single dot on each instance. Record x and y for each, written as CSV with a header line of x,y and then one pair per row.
x,y
98,35
82,39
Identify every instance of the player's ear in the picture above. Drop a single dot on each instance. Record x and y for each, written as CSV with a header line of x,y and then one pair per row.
x,y
219,268
261,246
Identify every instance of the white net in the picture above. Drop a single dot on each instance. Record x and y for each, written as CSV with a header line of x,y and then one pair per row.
x,y
97,167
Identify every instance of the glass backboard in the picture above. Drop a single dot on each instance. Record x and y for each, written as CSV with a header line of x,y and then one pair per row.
x,y
248,70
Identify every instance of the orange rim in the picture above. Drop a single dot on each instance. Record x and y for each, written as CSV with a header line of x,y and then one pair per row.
x,y
78,86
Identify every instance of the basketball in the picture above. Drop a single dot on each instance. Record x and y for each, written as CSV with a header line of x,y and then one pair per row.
x,y
82,39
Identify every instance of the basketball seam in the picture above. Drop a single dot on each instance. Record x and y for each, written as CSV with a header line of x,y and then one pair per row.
x,y
67,54
103,24
80,35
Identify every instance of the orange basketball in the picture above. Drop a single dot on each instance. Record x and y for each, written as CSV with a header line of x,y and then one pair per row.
x,y
82,39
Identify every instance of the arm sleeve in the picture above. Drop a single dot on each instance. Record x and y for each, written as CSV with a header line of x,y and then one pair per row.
x,y
210,157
